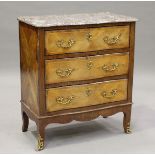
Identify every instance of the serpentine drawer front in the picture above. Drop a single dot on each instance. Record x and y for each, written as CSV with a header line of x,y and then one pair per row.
x,y
75,67
85,95
84,40
84,68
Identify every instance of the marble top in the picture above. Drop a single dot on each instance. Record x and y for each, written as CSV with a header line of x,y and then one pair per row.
x,y
75,19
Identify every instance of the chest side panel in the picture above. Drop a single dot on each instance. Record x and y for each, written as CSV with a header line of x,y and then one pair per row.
x,y
29,66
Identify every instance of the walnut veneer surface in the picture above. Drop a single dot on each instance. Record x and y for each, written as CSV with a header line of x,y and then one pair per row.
x,y
75,70
85,95
84,68
86,40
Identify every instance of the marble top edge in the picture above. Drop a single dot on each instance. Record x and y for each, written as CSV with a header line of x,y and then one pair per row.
x,y
75,19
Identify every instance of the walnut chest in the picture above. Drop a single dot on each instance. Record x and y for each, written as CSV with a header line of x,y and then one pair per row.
x,y
75,67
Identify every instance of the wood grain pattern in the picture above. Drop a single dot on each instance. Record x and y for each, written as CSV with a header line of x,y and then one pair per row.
x,y
81,43
86,68
41,82
29,66
85,95
131,60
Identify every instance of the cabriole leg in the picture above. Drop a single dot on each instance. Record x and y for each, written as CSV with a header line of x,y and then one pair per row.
x,y
41,136
25,121
126,121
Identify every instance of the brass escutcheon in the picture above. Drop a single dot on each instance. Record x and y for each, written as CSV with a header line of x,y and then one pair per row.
x,y
89,65
89,36
89,92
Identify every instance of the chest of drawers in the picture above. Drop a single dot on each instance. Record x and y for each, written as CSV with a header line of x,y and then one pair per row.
x,y
75,67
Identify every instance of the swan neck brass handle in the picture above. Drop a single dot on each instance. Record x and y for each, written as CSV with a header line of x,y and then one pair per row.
x,y
113,40
65,44
110,68
109,95
63,73
65,100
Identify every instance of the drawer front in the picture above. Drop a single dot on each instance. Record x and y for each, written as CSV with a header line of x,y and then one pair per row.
x,y
84,40
84,68
85,95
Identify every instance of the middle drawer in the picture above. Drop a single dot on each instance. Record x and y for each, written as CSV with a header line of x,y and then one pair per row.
x,y
86,68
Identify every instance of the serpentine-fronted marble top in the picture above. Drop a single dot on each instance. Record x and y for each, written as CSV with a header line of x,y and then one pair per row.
x,y
75,19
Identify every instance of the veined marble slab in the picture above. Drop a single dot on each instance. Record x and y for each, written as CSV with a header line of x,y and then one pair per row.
x,y
75,19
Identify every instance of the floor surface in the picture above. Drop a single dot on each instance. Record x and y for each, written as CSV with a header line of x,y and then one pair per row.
x,y
97,136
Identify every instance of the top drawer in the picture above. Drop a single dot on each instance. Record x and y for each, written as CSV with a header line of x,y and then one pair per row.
x,y
84,40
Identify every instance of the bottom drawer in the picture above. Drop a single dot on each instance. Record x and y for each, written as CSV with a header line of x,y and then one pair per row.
x,y
85,95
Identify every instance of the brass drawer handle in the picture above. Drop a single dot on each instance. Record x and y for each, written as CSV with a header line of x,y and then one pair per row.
x,y
113,40
110,68
64,101
109,95
65,44
64,72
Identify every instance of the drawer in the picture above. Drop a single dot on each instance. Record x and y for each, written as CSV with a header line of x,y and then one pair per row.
x,y
85,95
84,40
85,68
